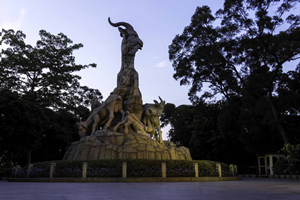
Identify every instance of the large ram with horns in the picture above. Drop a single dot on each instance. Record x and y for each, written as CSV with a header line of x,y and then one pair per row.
x,y
128,79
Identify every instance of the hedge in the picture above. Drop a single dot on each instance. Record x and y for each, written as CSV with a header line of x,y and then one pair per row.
x,y
135,168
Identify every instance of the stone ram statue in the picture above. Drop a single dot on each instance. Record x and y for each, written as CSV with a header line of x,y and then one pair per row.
x,y
128,78
138,126
151,114
102,114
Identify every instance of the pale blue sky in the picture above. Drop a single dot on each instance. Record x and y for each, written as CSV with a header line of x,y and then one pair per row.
x,y
85,21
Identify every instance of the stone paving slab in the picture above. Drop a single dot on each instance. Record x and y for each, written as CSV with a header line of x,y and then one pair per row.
x,y
129,179
247,188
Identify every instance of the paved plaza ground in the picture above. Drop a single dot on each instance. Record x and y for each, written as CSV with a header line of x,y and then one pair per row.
x,y
247,188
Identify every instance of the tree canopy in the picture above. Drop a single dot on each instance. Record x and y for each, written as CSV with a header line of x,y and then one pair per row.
x,y
242,65
248,49
210,131
41,97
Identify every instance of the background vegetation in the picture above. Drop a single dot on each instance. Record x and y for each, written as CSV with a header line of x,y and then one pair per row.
x,y
242,64
41,98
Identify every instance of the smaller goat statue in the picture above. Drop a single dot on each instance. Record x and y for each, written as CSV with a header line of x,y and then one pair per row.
x,y
102,114
137,125
151,114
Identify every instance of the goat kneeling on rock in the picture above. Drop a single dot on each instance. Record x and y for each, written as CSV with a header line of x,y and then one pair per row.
x,y
138,126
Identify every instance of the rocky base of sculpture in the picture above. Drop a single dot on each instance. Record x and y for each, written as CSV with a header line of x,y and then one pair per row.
x,y
114,145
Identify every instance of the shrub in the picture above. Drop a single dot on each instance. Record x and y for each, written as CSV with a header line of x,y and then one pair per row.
x,y
104,168
5,172
135,168
292,152
279,167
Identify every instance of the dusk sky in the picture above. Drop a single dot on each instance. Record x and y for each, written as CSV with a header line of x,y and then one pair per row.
x,y
85,21
156,21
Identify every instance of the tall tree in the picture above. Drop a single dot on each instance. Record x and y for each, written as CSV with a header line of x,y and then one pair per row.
x,y
246,55
180,118
45,73
209,130
38,87
22,123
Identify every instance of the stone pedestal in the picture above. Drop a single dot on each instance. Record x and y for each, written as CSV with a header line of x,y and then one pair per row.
x,y
114,145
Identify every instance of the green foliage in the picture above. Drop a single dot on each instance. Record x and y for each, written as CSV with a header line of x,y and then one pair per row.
x,y
286,167
68,169
135,168
245,54
40,96
292,152
104,168
279,167
143,168
210,131
180,120
58,135
44,72
21,121
5,171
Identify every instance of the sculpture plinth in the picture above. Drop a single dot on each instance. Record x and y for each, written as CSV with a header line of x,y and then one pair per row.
x,y
126,136
114,145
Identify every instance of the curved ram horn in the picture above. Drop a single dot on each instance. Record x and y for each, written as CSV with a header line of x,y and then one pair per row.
x,y
161,101
128,26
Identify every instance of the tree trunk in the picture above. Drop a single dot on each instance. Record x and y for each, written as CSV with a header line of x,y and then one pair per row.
x,y
282,132
278,123
29,157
